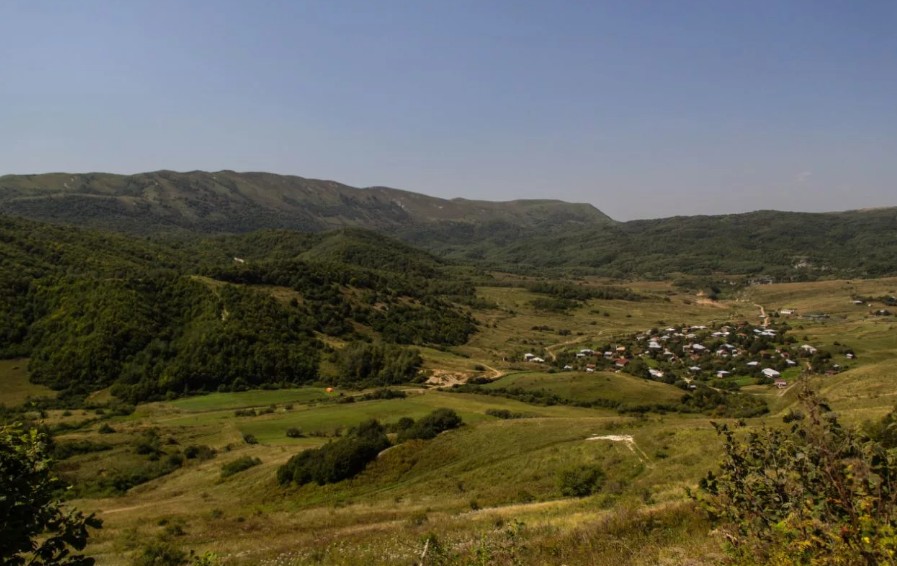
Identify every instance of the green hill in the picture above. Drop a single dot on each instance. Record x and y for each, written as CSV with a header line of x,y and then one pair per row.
x,y
162,318
230,202
781,245
523,236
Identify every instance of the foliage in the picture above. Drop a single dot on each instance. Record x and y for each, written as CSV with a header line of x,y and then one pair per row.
x,y
364,365
812,493
160,553
885,430
34,527
338,460
570,292
580,481
429,426
240,464
504,414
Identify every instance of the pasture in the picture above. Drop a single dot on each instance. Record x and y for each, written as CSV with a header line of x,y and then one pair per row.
x,y
490,488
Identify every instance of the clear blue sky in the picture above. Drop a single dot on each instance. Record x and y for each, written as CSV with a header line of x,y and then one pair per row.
x,y
645,109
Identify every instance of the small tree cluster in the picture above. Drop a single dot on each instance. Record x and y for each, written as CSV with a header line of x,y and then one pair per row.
x,y
430,426
338,460
581,481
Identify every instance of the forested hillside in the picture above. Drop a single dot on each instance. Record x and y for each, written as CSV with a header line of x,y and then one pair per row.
x,y
155,319
781,245
230,202
524,236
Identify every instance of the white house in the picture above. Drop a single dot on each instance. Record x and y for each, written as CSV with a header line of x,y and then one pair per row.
x,y
770,373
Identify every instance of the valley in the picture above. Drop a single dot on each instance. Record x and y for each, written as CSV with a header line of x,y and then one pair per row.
x,y
160,472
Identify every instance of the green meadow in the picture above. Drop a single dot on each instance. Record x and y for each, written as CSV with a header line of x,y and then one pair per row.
x,y
488,489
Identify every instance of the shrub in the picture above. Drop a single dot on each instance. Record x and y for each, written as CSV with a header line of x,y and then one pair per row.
x,y
338,460
294,432
580,481
199,452
812,493
64,450
35,528
503,414
250,439
384,393
240,464
160,553
429,426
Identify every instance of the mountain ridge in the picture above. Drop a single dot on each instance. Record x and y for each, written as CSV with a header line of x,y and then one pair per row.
x,y
227,201
522,235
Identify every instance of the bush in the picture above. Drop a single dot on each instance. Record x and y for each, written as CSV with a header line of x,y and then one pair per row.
x,y
503,414
431,425
160,553
250,439
338,460
294,432
240,464
384,393
812,493
581,481
35,528
199,452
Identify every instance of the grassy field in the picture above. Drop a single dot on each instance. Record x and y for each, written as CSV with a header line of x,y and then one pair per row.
x,y
488,491
14,384
581,386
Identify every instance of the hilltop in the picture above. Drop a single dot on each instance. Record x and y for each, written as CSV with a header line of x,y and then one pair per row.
x,y
231,202
524,236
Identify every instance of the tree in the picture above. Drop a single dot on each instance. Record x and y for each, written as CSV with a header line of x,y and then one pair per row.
x,y
35,528
812,493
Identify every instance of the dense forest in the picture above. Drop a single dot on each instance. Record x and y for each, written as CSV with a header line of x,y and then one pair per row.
x,y
161,318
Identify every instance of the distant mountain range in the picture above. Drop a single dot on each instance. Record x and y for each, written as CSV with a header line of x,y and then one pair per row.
x,y
230,202
521,235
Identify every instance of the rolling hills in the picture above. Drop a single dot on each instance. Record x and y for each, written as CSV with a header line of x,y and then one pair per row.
x,y
522,236
178,364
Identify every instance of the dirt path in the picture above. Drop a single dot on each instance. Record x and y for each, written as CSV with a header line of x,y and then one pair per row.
x,y
628,441
496,373
763,315
550,349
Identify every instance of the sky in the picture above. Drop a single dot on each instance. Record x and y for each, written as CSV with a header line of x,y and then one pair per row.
x,y
643,109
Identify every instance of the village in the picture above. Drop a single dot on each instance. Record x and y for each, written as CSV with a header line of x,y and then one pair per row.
x,y
724,356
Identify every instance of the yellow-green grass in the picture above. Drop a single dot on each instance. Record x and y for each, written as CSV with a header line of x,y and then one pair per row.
x,y
587,386
246,399
503,463
327,419
15,388
381,516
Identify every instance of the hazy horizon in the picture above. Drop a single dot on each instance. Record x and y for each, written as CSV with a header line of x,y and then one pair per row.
x,y
644,110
